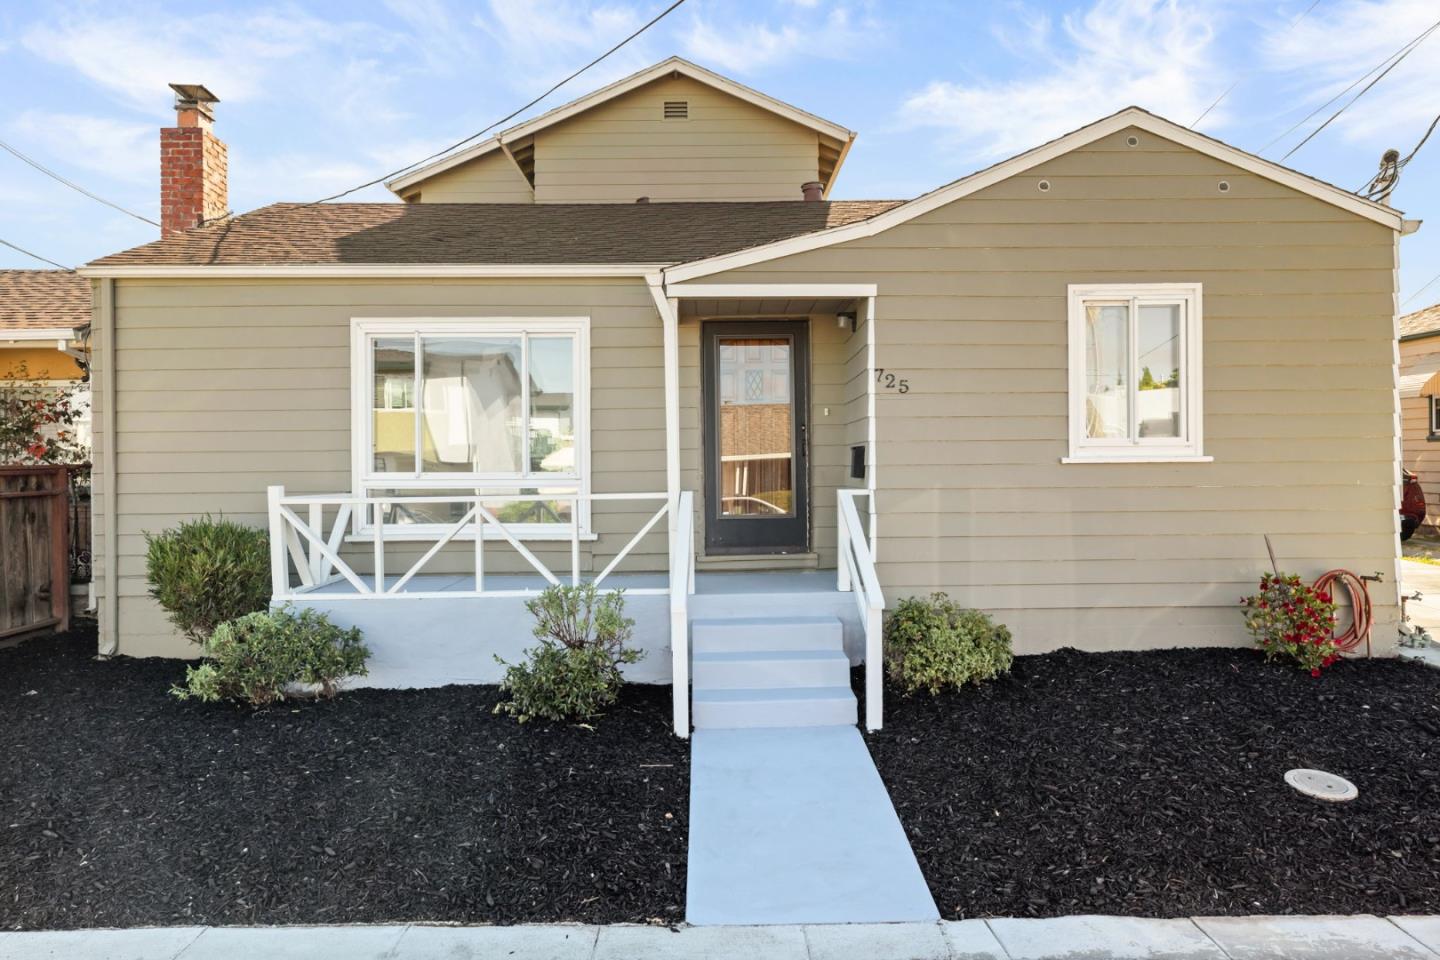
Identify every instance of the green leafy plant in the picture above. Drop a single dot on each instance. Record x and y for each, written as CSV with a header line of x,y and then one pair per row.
x,y
574,671
207,571
934,644
1290,618
261,657
37,422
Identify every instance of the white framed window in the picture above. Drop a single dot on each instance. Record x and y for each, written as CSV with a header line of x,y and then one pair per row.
x,y
468,407
1135,373
1434,411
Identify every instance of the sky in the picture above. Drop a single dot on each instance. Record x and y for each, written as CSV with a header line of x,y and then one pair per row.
x,y
318,97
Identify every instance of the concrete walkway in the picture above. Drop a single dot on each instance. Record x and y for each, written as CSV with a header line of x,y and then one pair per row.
x,y
1066,938
793,825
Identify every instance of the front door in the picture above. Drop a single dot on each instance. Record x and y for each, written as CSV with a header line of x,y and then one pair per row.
x,y
755,436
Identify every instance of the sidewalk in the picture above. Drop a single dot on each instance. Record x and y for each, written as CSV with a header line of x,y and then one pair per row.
x,y
1066,938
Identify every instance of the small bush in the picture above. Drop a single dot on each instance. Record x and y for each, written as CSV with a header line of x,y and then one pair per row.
x,y
257,658
207,571
934,644
1290,618
574,672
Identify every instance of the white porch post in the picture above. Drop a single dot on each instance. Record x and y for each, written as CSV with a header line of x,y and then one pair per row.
x,y
669,310
279,565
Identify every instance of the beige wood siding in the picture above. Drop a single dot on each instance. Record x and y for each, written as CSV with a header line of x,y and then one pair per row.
x,y
1422,454
727,149
1299,398
489,178
225,387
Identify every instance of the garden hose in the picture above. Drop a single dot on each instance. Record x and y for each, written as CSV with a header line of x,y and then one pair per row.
x,y
1360,618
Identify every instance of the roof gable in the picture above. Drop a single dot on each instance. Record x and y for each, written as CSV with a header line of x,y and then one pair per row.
x,y
834,139
959,189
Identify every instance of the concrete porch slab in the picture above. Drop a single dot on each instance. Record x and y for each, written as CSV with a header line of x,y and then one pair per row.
x,y
793,825
1115,938
1361,937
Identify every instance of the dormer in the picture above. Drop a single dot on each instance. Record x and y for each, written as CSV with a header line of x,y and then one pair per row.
x,y
674,131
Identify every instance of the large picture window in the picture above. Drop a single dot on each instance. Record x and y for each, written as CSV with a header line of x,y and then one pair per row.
x,y
472,407
1135,372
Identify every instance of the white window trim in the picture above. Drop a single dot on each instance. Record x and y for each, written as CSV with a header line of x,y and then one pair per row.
x,y
1190,449
1432,409
362,391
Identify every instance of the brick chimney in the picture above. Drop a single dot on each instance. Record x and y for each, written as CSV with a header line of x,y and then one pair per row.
x,y
193,163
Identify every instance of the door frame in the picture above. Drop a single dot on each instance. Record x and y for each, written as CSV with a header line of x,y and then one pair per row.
x,y
734,529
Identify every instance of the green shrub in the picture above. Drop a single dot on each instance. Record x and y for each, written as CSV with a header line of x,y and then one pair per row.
x,y
207,571
258,657
574,672
934,644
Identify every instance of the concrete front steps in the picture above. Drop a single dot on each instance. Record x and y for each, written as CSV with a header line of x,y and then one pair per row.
x,y
777,671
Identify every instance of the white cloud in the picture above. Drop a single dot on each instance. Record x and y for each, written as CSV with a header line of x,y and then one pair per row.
x,y
1335,45
540,41
1157,54
745,47
112,147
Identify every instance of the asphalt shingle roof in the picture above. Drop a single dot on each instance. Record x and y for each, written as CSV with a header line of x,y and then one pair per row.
x,y
490,233
1421,322
43,300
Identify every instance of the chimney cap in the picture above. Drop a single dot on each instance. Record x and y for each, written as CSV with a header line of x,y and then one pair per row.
x,y
192,93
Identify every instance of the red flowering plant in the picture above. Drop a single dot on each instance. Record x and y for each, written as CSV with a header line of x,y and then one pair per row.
x,y
37,422
1290,618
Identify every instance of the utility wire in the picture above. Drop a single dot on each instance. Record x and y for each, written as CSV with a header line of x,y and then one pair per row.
x,y
71,184
1391,165
1394,60
1417,293
1311,115
37,256
1249,73
508,117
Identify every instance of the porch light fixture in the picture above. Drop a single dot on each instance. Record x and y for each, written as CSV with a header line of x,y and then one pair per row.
x,y
844,320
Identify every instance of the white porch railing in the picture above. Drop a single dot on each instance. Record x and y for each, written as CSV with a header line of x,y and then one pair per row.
x,y
309,545
855,571
307,548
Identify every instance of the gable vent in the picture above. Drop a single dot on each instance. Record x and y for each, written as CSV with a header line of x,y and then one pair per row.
x,y
677,109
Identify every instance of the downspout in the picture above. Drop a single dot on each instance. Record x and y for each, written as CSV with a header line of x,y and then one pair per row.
x,y
110,613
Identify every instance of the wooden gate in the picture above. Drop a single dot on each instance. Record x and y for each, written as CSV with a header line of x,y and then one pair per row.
x,y
34,550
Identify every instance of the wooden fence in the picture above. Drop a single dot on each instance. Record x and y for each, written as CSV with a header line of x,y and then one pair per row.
x,y
34,550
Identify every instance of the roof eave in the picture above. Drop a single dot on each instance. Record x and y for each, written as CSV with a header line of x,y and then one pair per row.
x,y
618,88
377,270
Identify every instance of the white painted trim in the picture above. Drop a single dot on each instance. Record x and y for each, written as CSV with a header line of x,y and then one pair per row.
x,y
381,270
1190,448
779,291
30,334
363,329
619,88
1129,117
872,426
109,472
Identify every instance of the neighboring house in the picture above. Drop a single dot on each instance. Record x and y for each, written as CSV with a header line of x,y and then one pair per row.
x,y
1074,389
44,321
1420,420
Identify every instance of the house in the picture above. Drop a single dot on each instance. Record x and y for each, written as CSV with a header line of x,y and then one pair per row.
x,y
44,323
633,340
1420,424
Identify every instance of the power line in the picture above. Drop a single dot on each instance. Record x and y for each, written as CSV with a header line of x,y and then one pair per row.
x,y
1396,62
508,117
1417,293
36,256
1391,164
1309,116
72,185
1249,73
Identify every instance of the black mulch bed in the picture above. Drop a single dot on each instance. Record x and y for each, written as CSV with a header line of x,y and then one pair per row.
x,y
1151,784
120,806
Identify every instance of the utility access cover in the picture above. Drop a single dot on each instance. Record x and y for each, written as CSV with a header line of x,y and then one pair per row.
x,y
1322,785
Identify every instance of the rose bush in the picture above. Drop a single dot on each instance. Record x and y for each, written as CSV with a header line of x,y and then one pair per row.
x,y
37,422
1290,618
